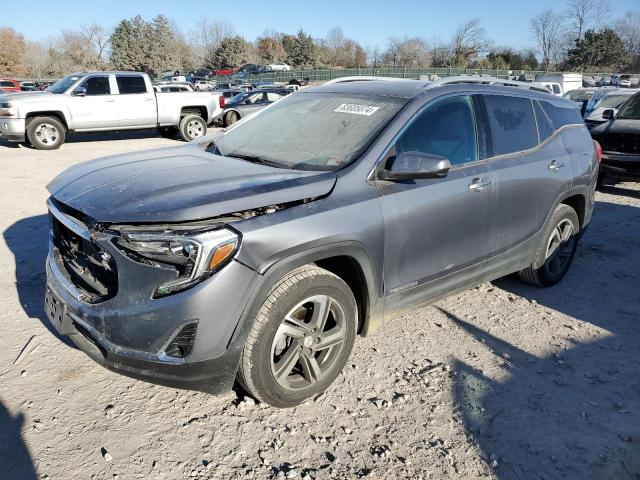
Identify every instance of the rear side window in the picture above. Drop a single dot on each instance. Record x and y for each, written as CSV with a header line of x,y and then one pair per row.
x,y
561,116
128,84
6,84
513,127
545,129
446,128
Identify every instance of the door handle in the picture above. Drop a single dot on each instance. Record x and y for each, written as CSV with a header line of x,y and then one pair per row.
x,y
110,100
555,165
478,184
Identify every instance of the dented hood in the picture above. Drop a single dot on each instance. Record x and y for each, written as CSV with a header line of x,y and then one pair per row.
x,y
180,184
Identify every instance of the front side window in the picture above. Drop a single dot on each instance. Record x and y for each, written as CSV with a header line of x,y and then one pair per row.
x,y
446,128
513,127
130,84
630,110
97,85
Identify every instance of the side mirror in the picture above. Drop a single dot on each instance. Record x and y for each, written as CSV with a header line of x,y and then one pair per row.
x,y
79,92
608,114
415,165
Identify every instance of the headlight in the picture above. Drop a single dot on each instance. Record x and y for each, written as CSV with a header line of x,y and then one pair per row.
x,y
194,256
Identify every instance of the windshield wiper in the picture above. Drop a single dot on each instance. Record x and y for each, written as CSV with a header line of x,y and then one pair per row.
x,y
254,159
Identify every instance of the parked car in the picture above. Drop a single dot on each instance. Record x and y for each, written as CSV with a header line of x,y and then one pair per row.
x,y
224,72
604,82
173,87
620,141
628,81
103,101
7,85
277,67
248,103
204,85
588,81
262,253
611,100
581,97
250,68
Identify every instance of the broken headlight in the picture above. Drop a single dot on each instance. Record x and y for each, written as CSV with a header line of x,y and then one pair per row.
x,y
194,256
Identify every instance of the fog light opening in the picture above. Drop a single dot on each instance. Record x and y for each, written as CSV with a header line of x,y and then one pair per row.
x,y
182,343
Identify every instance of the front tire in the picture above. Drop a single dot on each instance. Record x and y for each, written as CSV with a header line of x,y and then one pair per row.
x,y
46,133
192,126
301,338
557,249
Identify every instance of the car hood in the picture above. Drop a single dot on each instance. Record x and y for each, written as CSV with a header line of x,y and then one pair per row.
x,y
617,127
180,184
12,96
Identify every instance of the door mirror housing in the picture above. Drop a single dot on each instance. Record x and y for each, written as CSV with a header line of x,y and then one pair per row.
x,y
415,165
608,114
79,92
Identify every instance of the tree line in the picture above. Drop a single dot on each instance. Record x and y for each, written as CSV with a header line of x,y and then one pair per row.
x,y
581,37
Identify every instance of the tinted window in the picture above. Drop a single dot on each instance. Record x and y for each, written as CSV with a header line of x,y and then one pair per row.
x,y
97,86
561,116
556,88
545,129
446,129
131,84
6,84
631,109
513,127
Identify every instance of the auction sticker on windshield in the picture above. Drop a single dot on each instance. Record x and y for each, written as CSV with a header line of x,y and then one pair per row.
x,y
356,109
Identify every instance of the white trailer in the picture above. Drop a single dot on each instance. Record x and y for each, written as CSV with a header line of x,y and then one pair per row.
x,y
567,81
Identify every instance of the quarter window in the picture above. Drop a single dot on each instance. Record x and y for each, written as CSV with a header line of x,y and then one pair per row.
x,y
128,84
273,96
561,116
513,127
446,128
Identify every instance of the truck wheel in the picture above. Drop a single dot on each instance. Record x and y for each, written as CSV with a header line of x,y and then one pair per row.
x,y
301,338
231,118
555,254
46,133
192,126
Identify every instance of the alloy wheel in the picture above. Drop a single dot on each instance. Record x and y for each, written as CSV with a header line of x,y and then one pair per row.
x,y
560,247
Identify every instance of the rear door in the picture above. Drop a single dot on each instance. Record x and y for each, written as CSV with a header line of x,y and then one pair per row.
x,y
136,101
531,167
92,104
437,227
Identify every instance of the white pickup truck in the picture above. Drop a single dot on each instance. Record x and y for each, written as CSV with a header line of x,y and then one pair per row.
x,y
104,101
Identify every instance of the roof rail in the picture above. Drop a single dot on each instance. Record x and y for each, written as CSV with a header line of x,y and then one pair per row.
x,y
486,81
362,78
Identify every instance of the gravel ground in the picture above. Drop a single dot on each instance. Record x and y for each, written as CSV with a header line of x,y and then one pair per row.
x,y
504,381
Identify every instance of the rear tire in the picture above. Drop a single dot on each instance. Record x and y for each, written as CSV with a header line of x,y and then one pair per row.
x,y
192,126
301,338
46,133
557,249
231,118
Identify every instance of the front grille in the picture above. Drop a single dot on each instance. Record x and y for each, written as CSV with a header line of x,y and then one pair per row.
x,y
623,143
90,268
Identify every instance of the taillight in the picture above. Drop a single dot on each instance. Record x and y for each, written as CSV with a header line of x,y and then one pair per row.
x,y
221,101
598,150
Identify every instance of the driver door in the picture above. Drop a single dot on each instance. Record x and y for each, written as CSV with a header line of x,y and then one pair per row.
x,y
436,231
92,106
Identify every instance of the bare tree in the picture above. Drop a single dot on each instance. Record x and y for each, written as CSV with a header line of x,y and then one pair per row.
x,y
585,14
208,34
546,29
628,27
469,40
98,38
407,52
11,52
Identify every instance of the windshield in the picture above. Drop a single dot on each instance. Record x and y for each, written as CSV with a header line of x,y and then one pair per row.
x,y
611,101
631,109
63,85
311,131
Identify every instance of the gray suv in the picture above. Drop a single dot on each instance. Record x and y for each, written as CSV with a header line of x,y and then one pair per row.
x,y
262,254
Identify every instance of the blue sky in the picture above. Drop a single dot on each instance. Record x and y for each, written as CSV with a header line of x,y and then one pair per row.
x,y
371,22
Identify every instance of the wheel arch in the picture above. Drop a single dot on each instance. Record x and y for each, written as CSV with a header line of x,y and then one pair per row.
x,y
47,113
578,202
197,109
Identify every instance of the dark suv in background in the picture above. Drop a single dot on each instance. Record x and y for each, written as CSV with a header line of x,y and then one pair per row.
x,y
261,255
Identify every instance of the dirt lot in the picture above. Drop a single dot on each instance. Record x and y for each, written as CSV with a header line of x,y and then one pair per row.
x,y
504,381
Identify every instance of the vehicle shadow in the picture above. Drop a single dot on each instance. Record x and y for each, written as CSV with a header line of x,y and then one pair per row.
x,y
573,413
616,189
14,455
28,241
